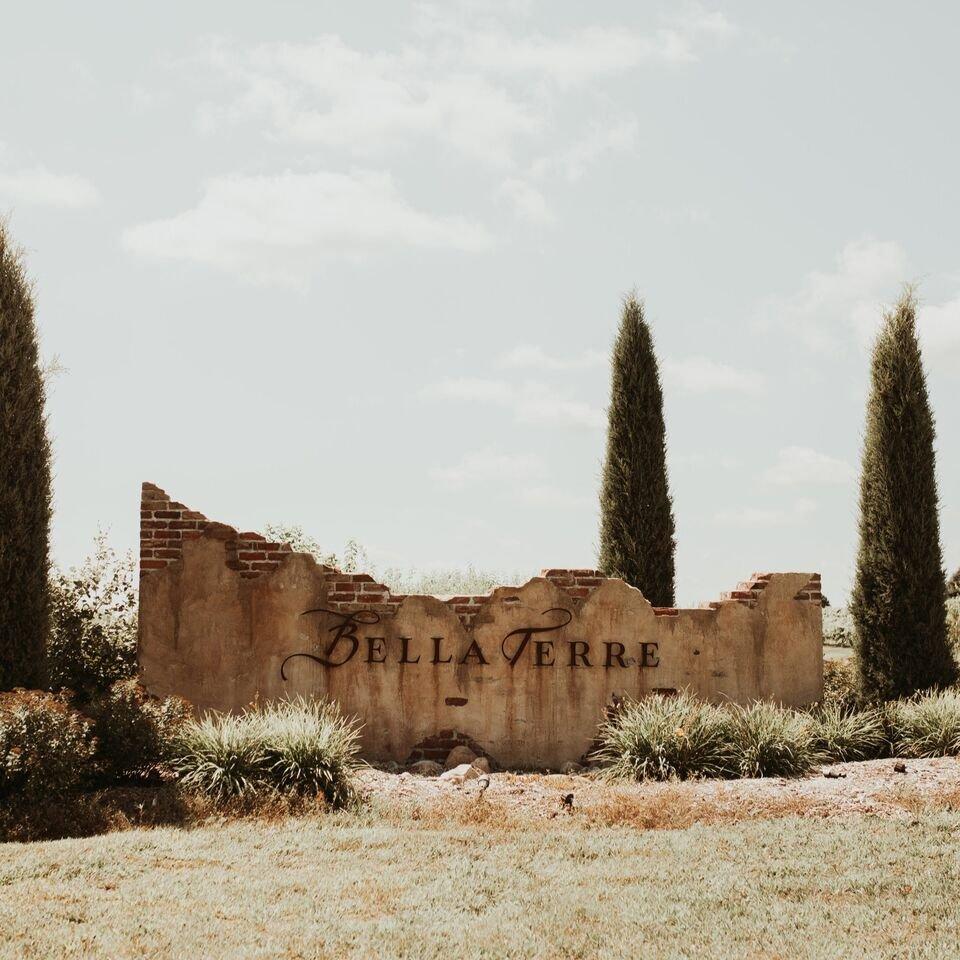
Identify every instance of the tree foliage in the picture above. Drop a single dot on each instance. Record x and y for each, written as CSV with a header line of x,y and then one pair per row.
x,y
24,480
636,525
898,598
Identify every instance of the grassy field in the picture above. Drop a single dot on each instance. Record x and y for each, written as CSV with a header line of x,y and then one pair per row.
x,y
349,886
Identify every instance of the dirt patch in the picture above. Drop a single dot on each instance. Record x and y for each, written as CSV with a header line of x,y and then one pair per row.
x,y
874,787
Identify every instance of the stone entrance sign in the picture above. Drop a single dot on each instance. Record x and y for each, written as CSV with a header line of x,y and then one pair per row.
x,y
523,674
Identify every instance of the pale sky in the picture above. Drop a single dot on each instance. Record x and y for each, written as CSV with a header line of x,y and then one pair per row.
x,y
358,266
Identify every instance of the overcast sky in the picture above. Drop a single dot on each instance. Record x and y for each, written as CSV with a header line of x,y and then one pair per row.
x,y
358,266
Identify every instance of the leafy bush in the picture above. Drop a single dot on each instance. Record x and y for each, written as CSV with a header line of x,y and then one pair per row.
x,y
772,741
953,625
437,582
46,748
837,627
842,734
294,747
93,629
840,683
953,585
926,725
135,732
666,737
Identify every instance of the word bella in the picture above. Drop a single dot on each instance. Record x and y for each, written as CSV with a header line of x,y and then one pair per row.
x,y
525,642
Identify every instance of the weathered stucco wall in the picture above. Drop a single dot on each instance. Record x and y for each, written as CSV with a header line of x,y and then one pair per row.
x,y
524,673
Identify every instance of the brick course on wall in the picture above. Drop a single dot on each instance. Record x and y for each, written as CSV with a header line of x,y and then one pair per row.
x,y
166,523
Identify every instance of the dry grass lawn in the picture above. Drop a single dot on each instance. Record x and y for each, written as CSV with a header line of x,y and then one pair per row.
x,y
475,882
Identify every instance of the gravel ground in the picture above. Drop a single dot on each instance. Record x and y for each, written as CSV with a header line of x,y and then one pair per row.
x,y
872,787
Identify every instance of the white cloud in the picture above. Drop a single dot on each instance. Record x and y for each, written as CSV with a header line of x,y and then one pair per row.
x,y
489,466
801,465
521,474
939,326
462,80
831,306
867,274
39,187
530,402
272,228
528,202
579,56
687,214
327,92
703,375
767,517
555,498
572,162
532,356
479,389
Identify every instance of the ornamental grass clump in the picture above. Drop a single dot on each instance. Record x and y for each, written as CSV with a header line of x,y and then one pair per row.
x,y
926,725
311,749
772,741
665,738
841,734
222,756
300,747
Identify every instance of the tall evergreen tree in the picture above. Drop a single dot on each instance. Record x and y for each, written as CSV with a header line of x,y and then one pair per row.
x,y
899,594
636,523
24,480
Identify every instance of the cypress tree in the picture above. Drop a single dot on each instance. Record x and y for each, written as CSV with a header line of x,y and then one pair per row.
x,y
899,595
636,518
24,480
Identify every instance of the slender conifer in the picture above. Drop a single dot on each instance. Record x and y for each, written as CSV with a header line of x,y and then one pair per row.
x,y
636,524
898,598
24,480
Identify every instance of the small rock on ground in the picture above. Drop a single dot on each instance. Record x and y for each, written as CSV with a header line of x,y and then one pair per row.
x,y
457,756
426,768
460,773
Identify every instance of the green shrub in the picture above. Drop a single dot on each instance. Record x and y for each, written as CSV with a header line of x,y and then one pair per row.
x,y
772,741
93,629
135,732
953,586
838,627
842,734
297,747
437,581
46,748
666,737
840,684
926,725
953,625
